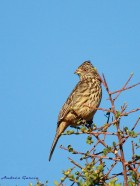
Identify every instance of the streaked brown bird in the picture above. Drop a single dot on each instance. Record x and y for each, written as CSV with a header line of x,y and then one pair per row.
x,y
82,102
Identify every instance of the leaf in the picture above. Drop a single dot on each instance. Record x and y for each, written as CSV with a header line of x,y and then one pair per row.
x,y
56,183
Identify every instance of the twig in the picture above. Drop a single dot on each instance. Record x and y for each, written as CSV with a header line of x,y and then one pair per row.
x,y
92,155
136,124
110,97
112,166
104,157
122,155
121,90
133,152
105,110
72,161
127,113
93,133
123,87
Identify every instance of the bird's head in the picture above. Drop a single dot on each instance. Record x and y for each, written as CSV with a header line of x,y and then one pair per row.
x,y
86,69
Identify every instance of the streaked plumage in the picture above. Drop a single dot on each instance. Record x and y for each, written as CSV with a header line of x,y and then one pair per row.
x,y
82,102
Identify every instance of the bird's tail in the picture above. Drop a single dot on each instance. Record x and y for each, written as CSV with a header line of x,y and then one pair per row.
x,y
59,131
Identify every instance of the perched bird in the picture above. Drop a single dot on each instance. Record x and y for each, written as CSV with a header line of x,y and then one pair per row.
x,y
82,102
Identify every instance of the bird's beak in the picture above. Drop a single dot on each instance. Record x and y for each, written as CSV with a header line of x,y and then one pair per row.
x,y
77,72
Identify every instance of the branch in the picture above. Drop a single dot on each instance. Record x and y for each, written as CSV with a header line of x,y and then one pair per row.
x,y
110,97
72,161
131,111
136,124
123,87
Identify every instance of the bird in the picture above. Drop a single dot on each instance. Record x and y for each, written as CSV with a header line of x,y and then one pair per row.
x,y
82,103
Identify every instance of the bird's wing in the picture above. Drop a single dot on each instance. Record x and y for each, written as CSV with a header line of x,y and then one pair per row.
x,y
69,102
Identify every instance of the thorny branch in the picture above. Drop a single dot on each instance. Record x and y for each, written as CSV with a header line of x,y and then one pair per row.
x,y
119,92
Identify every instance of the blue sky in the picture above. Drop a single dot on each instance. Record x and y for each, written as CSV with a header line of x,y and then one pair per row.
x,y
41,45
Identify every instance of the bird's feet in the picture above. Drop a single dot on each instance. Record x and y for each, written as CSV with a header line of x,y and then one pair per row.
x,y
89,124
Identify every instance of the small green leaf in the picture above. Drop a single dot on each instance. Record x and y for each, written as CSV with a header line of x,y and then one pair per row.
x,y
62,179
89,140
56,183
69,132
70,149
114,143
118,114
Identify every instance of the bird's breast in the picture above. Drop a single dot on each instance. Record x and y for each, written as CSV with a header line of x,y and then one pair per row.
x,y
88,99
